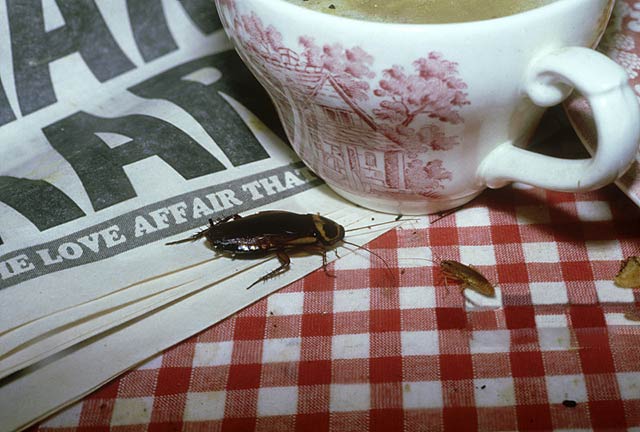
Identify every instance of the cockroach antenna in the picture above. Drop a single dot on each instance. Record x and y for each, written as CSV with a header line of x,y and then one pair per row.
x,y
386,264
380,224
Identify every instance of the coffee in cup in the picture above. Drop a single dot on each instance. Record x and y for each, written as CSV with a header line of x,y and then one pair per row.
x,y
421,11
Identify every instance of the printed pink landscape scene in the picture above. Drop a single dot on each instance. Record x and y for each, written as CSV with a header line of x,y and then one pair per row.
x,y
380,133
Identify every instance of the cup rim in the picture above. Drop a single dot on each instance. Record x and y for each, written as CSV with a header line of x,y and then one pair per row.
x,y
291,8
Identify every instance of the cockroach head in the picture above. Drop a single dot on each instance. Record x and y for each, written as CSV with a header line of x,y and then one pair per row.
x,y
329,232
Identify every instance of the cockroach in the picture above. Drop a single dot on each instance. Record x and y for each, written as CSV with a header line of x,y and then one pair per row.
x,y
274,231
629,274
633,315
468,276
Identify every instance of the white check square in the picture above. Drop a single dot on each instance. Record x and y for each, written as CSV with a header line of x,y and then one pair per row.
x,y
554,339
566,387
281,350
422,394
277,401
213,353
548,293
478,255
205,406
350,397
351,300
476,216
608,292
417,297
131,411
494,341
494,392
604,250
350,346
543,252
594,211
420,342
629,384
285,303
414,257
477,301
551,321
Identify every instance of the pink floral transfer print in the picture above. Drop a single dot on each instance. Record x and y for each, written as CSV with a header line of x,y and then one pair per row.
x,y
360,128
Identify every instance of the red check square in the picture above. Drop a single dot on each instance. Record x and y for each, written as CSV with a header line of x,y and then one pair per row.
x,y
314,372
526,364
451,318
173,381
534,417
384,321
244,376
456,367
312,422
385,369
385,420
460,418
317,325
249,328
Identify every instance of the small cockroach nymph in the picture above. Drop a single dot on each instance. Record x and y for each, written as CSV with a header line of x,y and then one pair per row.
x,y
468,276
277,232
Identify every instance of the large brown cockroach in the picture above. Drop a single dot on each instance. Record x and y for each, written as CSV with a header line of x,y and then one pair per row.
x,y
275,231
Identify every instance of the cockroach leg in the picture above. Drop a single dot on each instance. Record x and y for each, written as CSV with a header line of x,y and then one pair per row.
x,y
285,263
321,250
449,275
194,237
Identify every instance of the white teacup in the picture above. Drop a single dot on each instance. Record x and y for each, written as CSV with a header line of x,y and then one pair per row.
x,y
416,119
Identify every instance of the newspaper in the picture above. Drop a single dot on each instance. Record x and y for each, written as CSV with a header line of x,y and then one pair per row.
x,y
125,125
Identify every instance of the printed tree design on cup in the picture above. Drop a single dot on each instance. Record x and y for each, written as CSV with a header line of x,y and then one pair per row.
x,y
432,90
344,69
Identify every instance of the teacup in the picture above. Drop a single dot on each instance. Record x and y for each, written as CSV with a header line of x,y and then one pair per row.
x,y
421,118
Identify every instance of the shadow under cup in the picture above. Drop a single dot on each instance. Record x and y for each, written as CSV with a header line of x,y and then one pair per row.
x,y
417,119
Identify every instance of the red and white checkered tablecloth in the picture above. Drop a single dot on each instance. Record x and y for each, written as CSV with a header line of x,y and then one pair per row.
x,y
371,351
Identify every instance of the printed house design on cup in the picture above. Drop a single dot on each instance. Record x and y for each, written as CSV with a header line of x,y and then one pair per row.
x,y
381,148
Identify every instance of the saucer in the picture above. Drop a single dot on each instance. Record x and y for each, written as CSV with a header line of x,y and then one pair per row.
x,y
621,43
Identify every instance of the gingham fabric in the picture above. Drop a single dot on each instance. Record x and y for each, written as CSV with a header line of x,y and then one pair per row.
x,y
374,349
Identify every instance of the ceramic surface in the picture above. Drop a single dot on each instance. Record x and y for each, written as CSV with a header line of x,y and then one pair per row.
x,y
416,119
621,43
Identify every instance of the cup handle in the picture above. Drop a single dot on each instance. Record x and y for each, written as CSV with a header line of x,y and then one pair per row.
x,y
616,112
